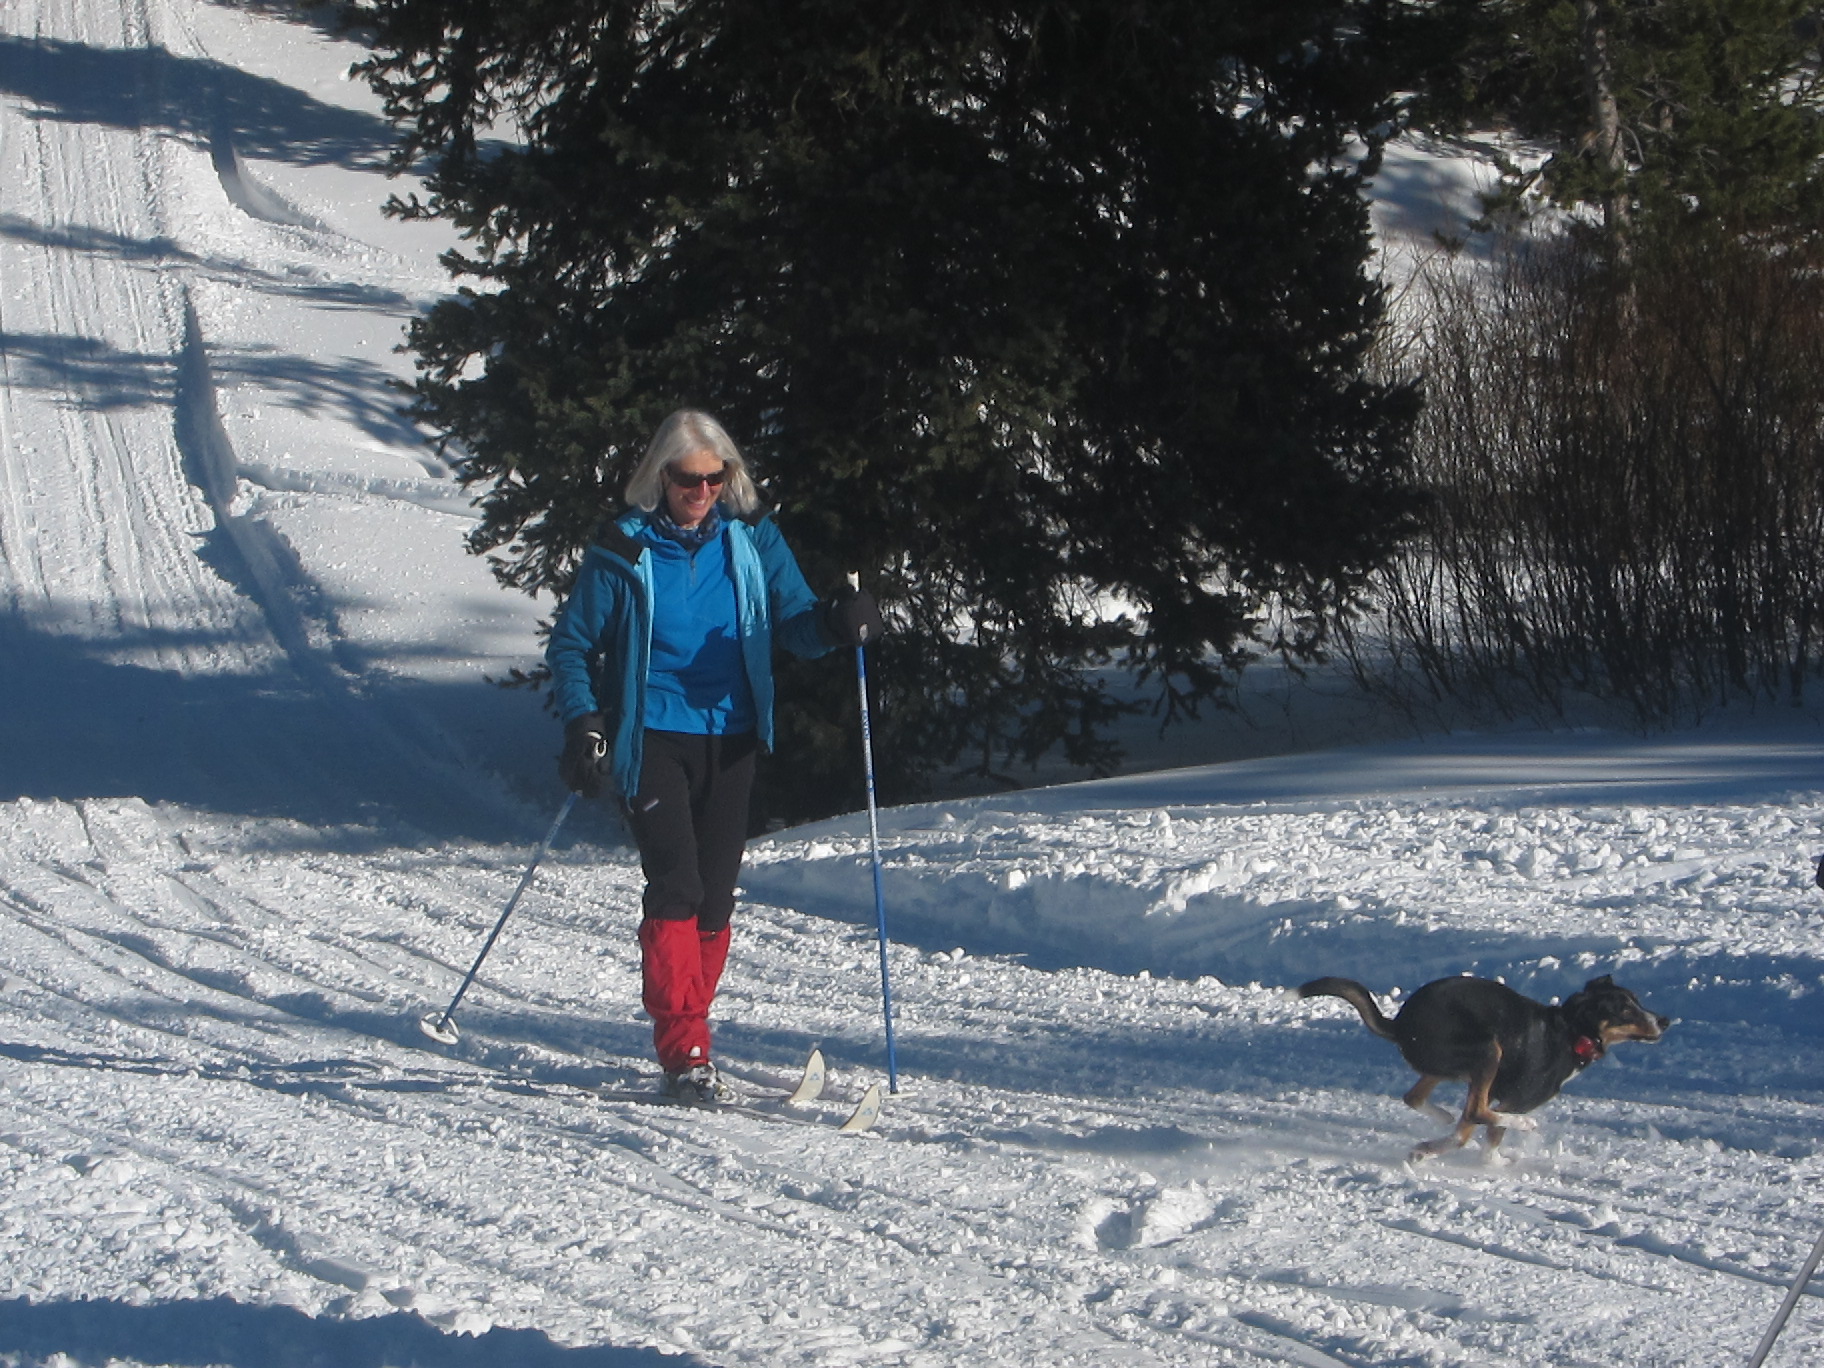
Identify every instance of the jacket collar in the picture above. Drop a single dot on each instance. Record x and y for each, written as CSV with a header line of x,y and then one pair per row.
x,y
615,535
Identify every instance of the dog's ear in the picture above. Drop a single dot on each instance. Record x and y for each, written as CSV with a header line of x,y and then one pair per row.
x,y
1606,981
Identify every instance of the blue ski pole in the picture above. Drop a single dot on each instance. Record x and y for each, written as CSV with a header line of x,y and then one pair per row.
x,y
442,1026
880,901
1792,1299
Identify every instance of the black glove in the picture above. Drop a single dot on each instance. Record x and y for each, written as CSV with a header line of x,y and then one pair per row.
x,y
850,617
584,763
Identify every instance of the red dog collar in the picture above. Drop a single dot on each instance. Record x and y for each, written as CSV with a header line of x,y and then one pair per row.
x,y
1587,1049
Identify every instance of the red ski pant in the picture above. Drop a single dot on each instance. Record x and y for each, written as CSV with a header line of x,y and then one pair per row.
x,y
689,819
680,967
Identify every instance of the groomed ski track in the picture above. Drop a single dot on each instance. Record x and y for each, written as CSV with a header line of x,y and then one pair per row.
x,y
259,812
215,1069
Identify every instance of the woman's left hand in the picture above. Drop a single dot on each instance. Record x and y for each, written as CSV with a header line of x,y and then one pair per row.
x,y
850,617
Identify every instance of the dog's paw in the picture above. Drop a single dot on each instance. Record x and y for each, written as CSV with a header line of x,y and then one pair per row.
x,y
1512,1121
1431,1149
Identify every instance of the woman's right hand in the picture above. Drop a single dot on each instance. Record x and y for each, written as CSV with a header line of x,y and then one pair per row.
x,y
584,764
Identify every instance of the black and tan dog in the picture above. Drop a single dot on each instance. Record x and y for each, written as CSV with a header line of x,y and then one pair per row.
x,y
1514,1053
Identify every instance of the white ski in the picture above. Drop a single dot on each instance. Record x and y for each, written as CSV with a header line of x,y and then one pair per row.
x,y
865,1114
810,1086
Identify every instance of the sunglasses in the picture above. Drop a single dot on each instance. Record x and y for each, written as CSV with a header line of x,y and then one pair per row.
x,y
685,479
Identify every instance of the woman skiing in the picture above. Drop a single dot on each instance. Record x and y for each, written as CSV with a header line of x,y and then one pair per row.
x,y
661,664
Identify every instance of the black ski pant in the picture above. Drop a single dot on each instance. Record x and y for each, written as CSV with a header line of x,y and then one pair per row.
x,y
689,820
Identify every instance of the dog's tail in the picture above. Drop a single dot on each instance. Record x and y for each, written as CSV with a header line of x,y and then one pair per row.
x,y
1357,997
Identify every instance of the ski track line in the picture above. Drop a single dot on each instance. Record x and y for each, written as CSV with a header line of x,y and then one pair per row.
x,y
915,1246
250,1204
211,983
157,953
1588,1241
127,952
648,1178
119,473
205,1185
138,907
737,1164
117,511
1710,1222
1582,1238
148,973
1282,1341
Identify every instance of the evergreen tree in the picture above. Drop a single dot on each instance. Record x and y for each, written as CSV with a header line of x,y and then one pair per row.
x,y
1047,315
1691,113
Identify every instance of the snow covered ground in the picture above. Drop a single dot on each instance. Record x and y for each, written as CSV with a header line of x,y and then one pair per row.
x,y
258,810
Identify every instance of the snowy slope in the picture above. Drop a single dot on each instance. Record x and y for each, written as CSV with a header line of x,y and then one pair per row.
x,y
215,1069
258,811
233,575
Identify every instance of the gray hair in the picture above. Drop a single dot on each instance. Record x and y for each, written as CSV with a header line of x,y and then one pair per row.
x,y
685,432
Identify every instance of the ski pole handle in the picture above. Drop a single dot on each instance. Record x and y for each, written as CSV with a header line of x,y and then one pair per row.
x,y
854,582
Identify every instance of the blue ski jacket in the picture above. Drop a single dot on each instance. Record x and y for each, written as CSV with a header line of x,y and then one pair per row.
x,y
600,649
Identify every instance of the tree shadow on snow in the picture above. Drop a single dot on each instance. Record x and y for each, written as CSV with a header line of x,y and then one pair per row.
x,y
222,1331
153,88
92,375
157,253
90,724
